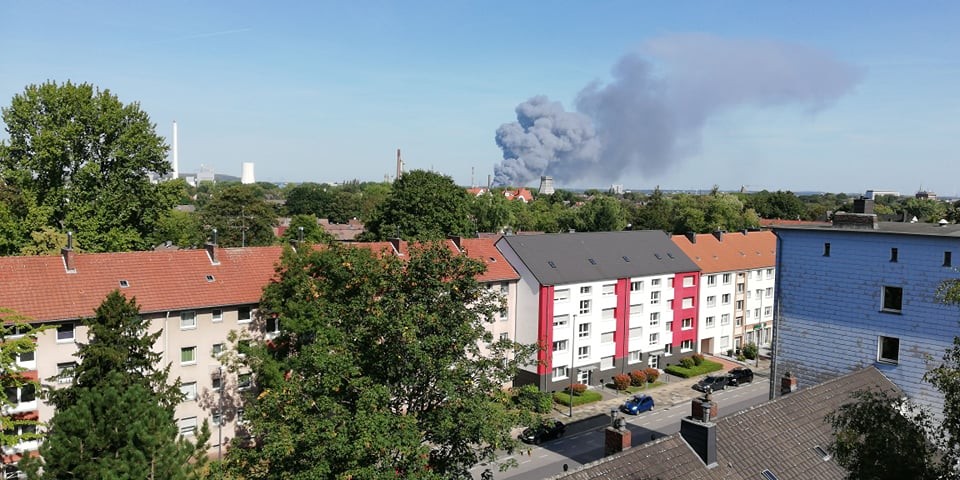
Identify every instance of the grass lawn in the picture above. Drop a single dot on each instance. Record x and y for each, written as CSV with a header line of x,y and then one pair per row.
x,y
632,389
588,396
706,367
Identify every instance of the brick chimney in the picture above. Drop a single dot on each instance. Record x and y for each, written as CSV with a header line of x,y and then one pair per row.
x,y
719,234
456,241
788,384
700,432
211,247
616,438
692,236
863,205
69,257
860,221
395,242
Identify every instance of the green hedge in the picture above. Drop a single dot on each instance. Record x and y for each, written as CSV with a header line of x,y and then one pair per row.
x,y
706,367
586,397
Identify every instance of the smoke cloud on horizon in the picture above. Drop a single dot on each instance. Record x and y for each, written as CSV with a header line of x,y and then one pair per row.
x,y
651,114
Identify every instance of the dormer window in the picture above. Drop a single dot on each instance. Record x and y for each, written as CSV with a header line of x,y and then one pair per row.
x,y
210,278
124,284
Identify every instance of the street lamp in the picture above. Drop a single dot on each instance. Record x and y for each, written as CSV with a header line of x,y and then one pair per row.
x,y
220,423
573,337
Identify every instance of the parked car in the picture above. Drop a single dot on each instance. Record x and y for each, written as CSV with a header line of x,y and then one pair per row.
x,y
543,432
638,404
740,375
712,382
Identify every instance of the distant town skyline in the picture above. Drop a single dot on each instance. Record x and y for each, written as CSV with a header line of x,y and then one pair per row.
x,y
815,96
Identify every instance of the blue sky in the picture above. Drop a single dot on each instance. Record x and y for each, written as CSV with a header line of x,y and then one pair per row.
x,y
326,91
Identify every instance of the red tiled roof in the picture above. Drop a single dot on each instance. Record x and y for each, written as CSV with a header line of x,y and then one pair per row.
x,y
736,250
40,288
498,269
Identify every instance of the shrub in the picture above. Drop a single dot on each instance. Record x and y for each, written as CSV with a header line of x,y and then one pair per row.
x,y
729,352
531,398
638,378
750,351
697,358
687,362
588,397
741,358
652,374
621,381
694,371
578,389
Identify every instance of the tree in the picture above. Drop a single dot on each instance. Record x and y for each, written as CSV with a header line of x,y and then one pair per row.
x,y
656,213
603,213
422,206
490,212
83,159
377,372
241,216
17,340
117,377
312,233
181,228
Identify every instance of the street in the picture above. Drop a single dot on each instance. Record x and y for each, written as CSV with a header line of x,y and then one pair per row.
x,y
538,462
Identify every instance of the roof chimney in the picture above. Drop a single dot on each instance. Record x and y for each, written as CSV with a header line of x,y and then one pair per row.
x,y
862,205
395,242
719,234
700,432
860,221
692,236
617,437
212,249
788,384
69,257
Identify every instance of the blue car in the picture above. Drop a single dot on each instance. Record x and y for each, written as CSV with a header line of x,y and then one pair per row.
x,y
638,404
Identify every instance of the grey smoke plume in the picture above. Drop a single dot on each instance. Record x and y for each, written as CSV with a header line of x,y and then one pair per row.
x,y
651,114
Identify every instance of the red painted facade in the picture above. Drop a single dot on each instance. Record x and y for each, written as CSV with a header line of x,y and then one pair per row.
x,y
622,314
679,313
545,331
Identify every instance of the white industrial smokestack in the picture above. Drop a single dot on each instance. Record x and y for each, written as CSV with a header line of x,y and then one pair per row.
x,y
176,164
246,174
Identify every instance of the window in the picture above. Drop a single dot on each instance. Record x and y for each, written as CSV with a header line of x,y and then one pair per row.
x,y
188,320
709,322
636,332
243,314
668,326
739,305
892,299
711,280
768,293
561,295
241,420
188,426
712,301
668,349
894,254
687,303
725,319
888,350
739,288
686,323
559,345
65,333
502,314
504,288
272,326
756,313
217,349
739,321
65,372
217,315
504,336
636,311
654,319
189,391
724,342
636,286
583,330
686,345
561,320
585,290
215,419
654,338
688,281
725,299
216,382
584,307
654,298
22,394
767,311
947,260
727,278
826,249
759,293
606,363
607,337
655,282
188,355
609,289
583,353
244,381
560,373
607,314
635,356
27,358
769,273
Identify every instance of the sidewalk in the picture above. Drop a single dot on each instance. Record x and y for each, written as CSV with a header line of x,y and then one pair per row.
x,y
674,391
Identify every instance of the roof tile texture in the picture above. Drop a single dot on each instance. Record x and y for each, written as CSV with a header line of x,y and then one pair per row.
x,y
731,251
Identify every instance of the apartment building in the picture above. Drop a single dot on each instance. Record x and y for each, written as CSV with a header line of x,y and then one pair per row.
x,y
862,292
197,297
737,277
601,303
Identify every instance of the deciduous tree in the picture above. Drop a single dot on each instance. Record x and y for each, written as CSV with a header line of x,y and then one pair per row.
x,y
422,206
241,216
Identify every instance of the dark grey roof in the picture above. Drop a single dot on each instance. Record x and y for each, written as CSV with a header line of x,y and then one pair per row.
x,y
779,436
895,228
561,258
